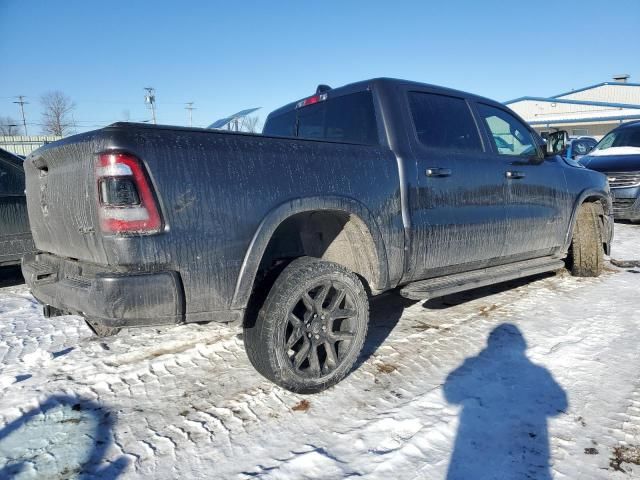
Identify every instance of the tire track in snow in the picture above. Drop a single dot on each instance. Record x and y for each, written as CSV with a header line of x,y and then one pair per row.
x,y
204,398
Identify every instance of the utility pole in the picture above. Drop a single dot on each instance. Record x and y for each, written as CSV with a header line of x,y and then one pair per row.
x,y
22,103
150,98
190,108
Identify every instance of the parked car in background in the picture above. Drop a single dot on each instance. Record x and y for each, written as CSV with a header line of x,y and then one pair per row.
x,y
15,236
618,156
348,193
579,147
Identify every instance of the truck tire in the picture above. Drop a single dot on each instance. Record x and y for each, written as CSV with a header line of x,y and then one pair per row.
x,y
311,327
586,255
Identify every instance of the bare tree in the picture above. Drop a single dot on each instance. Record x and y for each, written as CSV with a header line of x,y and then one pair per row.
x,y
249,124
56,113
9,126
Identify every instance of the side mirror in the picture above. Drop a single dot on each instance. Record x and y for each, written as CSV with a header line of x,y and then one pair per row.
x,y
557,142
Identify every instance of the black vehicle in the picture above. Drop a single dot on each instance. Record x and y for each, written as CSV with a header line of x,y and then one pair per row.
x,y
618,156
579,147
380,184
15,236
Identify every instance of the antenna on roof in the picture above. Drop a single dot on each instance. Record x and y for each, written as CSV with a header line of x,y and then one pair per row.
x,y
622,78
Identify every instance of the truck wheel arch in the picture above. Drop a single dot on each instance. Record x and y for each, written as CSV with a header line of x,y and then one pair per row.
x,y
349,218
588,196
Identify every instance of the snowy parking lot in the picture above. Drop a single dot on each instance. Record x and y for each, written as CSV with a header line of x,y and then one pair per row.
x,y
531,379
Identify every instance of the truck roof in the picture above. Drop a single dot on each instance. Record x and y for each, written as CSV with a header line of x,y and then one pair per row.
x,y
386,81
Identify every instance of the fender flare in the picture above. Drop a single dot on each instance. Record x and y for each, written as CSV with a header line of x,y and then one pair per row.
x,y
589,192
273,219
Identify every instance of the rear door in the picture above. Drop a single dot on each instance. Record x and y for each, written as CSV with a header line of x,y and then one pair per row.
x,y
458,204
538,205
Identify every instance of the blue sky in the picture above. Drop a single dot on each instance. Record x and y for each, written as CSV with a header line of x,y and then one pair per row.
x,y
226,56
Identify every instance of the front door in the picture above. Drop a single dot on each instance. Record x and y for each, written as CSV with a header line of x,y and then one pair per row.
x,y
538,205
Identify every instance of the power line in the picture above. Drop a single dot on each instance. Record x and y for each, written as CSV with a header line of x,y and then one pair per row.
x,y
22,103
150,98
190,108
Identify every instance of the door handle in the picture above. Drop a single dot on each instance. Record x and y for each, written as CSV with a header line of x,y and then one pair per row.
x,y
512,174
438,172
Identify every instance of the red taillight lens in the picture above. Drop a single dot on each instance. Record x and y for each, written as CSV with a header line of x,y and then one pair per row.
x,y
126,201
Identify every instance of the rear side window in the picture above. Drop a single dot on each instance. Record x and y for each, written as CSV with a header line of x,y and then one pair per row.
x,y
282,125
349,118
444,122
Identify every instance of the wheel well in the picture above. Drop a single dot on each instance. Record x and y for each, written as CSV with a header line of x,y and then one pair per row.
x,y
604,205
330,235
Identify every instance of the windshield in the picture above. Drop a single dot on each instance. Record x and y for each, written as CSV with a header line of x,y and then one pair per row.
x,y
620,141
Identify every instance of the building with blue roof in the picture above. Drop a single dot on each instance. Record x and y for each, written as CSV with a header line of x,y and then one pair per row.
x,y
590,111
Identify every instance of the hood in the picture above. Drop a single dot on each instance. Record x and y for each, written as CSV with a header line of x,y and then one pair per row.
x,y
612,163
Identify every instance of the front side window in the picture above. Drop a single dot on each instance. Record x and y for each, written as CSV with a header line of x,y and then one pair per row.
x,y
510,135
580,132
444,122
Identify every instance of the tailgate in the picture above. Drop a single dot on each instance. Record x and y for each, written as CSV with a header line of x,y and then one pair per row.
x,y
61,198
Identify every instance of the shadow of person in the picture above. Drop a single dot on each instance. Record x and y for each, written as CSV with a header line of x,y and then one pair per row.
x,y
505,401
65,436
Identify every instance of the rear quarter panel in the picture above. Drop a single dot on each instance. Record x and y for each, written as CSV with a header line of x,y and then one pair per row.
x,y
216,188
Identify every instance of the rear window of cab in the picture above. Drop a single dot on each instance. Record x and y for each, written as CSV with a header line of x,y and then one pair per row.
x,y
348,118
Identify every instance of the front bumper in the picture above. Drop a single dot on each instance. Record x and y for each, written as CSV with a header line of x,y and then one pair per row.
x,y
113,298
626,203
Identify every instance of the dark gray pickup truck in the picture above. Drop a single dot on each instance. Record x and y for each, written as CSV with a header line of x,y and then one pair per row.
x,y
349,193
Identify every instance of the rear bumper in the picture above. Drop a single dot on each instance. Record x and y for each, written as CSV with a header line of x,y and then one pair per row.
x,y
115,299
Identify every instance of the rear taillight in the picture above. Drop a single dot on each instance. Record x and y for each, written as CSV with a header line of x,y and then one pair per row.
x,y
312,100
126,201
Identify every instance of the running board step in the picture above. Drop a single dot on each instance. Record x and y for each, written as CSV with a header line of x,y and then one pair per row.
x,y
438,287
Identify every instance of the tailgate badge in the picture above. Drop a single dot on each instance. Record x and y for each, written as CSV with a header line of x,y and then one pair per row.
x,y
43,199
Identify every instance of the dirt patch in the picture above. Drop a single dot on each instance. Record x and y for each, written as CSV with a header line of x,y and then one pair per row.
x,y
421,327
75,421
625,454
486,310
591,451
386,368
301,406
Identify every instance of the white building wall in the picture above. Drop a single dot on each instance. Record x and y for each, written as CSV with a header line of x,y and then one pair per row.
x,y
24,145
534,110
610,92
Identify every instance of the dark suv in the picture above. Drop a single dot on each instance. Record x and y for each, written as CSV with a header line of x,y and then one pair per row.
x,y
618,156
15,236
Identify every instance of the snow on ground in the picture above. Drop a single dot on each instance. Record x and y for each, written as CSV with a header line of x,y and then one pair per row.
x,y
532,379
